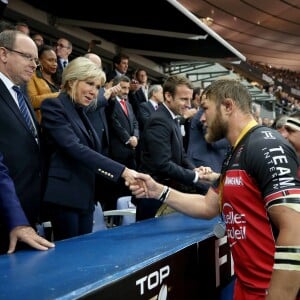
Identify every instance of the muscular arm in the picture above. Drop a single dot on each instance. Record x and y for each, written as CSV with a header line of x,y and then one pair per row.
x,y
285,284
194,205
275,169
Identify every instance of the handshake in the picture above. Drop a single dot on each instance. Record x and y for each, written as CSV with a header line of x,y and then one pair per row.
x,y
144,186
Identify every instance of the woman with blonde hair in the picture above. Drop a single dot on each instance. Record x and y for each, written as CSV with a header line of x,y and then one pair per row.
x,y
74,156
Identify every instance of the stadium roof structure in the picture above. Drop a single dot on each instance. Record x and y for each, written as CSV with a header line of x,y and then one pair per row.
x,y
163,31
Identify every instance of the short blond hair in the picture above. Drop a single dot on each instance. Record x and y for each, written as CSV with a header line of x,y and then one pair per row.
x,y
81,68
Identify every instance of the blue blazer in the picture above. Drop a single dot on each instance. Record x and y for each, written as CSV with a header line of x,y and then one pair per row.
x,y
75,158
201,152
97,116
145,111
163,155
136,99
21,154
11,212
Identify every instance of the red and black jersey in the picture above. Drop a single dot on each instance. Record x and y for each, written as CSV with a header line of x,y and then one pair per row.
x,y
262,166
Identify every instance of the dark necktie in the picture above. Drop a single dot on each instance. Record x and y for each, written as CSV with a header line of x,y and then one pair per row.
x,y
24,110
123,104
177,122
65,63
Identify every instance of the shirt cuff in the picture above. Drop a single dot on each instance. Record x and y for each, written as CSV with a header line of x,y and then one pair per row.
x,y
196,177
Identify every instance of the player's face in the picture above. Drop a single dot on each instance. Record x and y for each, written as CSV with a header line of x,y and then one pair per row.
x,y
216,125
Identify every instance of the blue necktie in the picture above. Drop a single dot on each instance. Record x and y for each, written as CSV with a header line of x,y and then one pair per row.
x,y
24,110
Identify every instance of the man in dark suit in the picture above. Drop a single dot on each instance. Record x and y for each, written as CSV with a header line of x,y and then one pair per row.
x,y
123,125
13,219
63,50
139,93
123,130
163,155
147,108
19,144
120,67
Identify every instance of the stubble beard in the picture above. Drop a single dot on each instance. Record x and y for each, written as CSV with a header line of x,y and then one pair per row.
x,y
216,130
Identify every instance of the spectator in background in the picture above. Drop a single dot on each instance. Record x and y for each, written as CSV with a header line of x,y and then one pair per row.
x,y
13,218
279,123
265,121
196,100
63,50
43,84
38,39
123,125
292,125
75,157
96,59
23,27
188,115
138,90
5,25
123,132
120,67
146,109
203,153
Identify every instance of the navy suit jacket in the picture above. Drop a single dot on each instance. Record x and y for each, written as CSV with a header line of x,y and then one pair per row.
x,y
21,154
136,99
74,163
111,75
145,111
11,212
97,116
201,152
59,71
163,155
121,129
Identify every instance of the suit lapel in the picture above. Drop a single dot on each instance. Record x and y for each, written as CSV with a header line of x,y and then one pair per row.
x,y
8,99
74,116
174,126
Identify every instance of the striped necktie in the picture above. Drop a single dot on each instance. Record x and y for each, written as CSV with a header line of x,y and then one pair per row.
x,y
24,110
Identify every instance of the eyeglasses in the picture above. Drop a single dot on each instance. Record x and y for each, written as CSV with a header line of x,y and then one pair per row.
x,y
61,46
26,56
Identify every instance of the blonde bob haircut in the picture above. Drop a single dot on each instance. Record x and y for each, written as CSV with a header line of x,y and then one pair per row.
x,y
80,69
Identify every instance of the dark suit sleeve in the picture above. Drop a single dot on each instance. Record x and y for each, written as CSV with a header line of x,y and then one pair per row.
x,y
68,140
145,113
135,123
118,121
10,208
101,100
159,138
